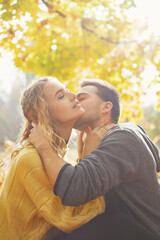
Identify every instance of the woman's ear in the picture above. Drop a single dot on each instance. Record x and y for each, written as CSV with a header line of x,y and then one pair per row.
x,y
106,107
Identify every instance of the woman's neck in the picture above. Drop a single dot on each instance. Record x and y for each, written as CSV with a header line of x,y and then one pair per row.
x,y
64,132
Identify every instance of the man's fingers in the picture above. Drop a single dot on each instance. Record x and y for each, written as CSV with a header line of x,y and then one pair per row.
x,y
80,137
105,129
80,144
109,126
106,122
88,129
102,131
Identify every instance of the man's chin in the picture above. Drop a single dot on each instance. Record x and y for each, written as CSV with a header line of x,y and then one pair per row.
x,y
80,126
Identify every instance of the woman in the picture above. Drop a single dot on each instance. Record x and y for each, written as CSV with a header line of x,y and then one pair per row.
x,y
28,206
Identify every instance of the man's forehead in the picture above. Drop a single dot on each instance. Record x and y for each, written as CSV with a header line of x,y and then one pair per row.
x,y
87,90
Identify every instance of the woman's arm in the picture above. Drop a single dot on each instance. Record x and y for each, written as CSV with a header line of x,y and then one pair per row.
x,y
52,162
36,184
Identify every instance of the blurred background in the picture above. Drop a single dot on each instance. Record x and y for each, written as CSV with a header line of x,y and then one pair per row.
x,y
114,40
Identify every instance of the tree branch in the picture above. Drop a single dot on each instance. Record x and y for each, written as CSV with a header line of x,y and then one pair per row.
x,y
50,7
106,39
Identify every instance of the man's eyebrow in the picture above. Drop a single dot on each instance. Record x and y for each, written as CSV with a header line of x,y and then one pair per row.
x,y
60,90
80,94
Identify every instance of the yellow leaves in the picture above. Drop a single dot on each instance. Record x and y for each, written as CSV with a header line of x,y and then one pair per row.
x,y
42,24
88,22
158,93
157,108
11,33
73,39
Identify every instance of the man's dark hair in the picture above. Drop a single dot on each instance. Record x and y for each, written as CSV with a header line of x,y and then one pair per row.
x,y
106,92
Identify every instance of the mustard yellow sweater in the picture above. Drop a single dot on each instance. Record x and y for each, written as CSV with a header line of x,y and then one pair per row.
x,y
28,207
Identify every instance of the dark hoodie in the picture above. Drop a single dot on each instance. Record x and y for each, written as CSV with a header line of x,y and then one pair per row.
x,y
126,164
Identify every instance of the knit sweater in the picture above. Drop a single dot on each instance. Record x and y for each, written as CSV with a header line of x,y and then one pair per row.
x,y
28,207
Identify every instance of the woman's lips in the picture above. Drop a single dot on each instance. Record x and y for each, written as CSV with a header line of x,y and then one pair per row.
x,y
77,104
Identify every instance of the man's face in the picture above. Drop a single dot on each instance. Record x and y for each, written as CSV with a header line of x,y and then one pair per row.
x,y
91,103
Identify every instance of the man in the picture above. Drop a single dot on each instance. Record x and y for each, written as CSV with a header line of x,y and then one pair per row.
x,y
123,169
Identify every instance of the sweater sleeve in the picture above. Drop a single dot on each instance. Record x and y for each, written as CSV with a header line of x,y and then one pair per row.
x,y
115,161
49,206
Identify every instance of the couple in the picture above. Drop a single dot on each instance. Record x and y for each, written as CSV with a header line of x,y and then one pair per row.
x,y
123,169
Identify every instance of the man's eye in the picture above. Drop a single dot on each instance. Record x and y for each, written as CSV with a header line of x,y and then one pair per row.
x,y
80,99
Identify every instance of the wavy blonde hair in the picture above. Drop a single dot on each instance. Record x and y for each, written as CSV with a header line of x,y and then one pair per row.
x,y
35,109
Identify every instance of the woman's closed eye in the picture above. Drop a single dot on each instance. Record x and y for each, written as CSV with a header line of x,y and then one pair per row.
x,y
62,93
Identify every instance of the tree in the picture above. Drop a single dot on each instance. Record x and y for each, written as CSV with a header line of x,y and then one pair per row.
x,y
151,123
82,38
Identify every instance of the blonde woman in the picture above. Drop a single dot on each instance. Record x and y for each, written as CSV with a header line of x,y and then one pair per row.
x,y
28,207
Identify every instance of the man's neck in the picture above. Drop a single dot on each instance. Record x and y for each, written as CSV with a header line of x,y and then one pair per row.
x,y
100,121
94,124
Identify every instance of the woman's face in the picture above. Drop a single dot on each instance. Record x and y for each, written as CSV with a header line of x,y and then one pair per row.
x,y
64,106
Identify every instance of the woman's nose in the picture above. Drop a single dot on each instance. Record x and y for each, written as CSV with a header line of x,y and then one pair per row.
x,y
72,96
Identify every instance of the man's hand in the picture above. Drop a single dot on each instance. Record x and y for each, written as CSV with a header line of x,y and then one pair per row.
x,y
38,138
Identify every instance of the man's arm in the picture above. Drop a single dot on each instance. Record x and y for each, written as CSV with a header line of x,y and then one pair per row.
x,y
116,159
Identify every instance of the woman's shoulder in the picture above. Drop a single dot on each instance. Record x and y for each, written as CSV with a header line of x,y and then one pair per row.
x,y
30,149
28,157
29,166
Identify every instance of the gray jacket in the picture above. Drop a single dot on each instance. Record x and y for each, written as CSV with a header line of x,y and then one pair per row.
x,y
127,162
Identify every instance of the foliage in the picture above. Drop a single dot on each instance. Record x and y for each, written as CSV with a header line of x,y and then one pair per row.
x,y
81,38
151,123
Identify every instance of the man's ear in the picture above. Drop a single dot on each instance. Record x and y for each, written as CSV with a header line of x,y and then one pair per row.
x,y
106,107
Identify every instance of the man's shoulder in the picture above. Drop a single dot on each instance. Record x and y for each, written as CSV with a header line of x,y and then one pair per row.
x,y
129,127
125,131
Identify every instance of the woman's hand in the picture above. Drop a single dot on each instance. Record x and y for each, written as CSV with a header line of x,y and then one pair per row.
x,y
38,138
90,140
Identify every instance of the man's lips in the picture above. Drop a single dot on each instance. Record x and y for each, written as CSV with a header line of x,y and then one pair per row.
x,y
77,104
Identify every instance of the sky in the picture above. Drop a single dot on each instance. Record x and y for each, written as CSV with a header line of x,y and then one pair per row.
x,y
149,9
145,8
8,72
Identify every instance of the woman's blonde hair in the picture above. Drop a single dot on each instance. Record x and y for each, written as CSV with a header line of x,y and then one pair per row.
x,y
35,109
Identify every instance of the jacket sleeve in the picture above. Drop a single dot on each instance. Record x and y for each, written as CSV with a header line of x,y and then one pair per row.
x,y
116,160
49,206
